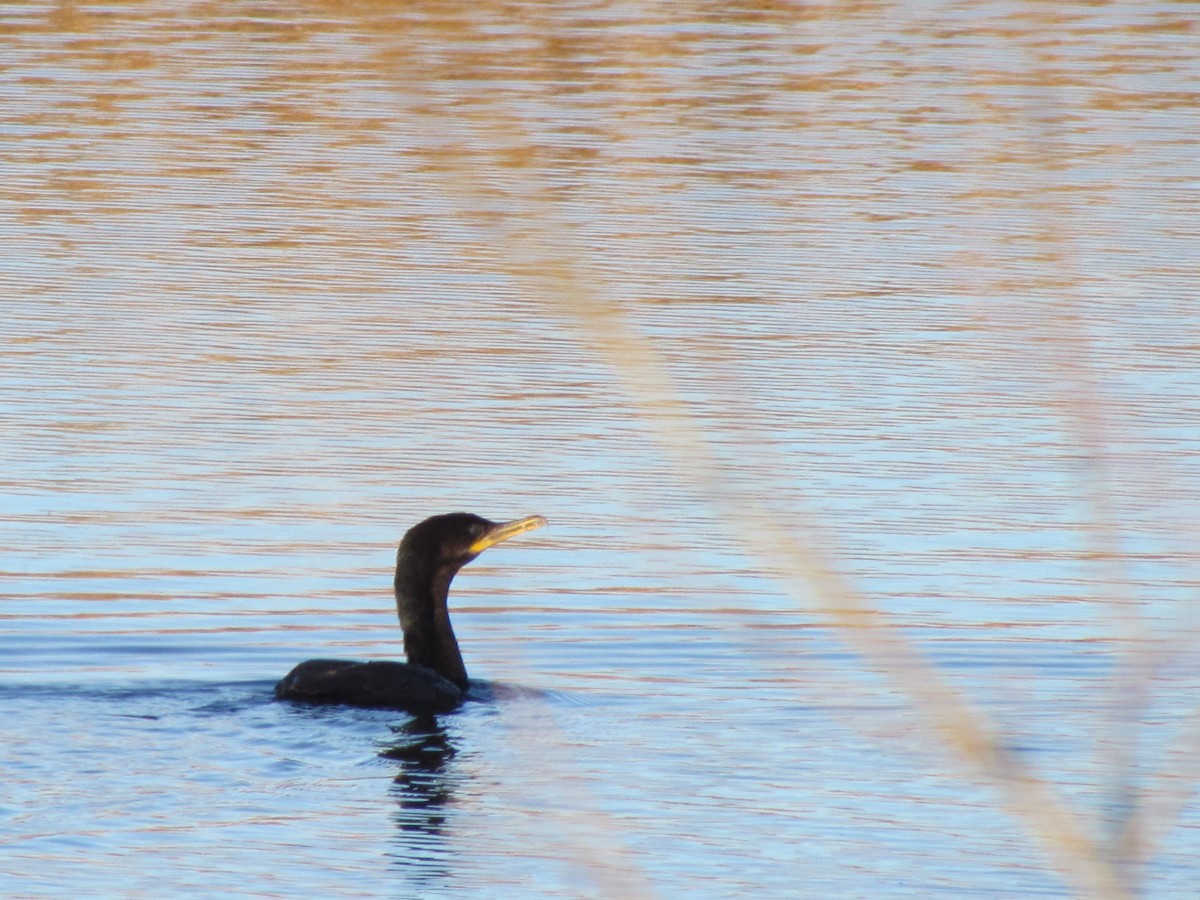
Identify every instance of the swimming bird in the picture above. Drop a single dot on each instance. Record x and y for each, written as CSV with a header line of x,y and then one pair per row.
x,y
434,679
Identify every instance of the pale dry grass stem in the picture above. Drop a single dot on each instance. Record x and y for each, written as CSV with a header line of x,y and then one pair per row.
x,y
550,263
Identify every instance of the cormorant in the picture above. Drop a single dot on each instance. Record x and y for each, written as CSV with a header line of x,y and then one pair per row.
x,y
434,678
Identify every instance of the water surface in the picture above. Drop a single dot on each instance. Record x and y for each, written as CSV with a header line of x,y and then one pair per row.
x,y
280,280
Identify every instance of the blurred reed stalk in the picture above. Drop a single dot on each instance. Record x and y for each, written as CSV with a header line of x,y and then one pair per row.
x,y
493,146
1138,814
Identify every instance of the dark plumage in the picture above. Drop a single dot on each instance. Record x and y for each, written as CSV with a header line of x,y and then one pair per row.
x,y
434,679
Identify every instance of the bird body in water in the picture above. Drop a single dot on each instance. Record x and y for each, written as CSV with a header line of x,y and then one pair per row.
x,y
434,679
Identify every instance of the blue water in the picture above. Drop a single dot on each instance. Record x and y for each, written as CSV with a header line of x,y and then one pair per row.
x,y
912,287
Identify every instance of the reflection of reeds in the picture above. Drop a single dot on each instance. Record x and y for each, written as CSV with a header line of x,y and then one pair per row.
x,y
489,144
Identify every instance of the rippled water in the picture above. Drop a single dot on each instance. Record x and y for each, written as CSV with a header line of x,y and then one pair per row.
x,y
280,280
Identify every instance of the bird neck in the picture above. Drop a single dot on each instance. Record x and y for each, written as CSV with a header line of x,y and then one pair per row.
x,y
425,619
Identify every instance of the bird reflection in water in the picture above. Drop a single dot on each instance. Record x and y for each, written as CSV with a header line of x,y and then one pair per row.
x,y
424,790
